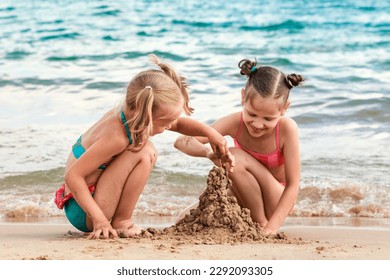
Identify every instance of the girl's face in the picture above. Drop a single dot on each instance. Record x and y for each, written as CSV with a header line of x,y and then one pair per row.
x,y
261,115
165,118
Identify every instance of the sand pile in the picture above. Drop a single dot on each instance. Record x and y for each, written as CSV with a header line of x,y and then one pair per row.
x,y
218,219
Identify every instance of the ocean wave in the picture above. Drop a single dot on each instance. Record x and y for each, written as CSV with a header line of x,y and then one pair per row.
x,y
5,83
7,9
25,82
344,201
68,35
10,17
50,22
114,13
290,25
104,85
154,33
101,57
203,24
56,30
17,55
111,38
312,202
113,56
168,193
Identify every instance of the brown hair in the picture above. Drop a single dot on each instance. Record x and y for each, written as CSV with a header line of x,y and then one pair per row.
x,y
267,81
146,93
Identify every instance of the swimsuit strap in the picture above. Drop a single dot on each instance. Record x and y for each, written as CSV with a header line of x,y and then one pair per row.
x,y
277,136
240,128
124,121
78,149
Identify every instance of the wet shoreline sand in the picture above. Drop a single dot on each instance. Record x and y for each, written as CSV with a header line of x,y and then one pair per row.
x,y
33,241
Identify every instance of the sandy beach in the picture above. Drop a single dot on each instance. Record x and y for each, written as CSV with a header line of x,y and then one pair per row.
x,y
40,241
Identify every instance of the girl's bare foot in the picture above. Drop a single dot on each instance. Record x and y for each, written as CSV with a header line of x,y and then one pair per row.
x,y
126,229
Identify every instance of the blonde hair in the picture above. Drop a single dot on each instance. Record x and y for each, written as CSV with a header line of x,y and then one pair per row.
x,y
146,93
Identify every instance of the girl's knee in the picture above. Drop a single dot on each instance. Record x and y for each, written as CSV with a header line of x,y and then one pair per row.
x,y
241,157
149,153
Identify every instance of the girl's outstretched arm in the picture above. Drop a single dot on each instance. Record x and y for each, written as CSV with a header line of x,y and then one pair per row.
x,y
218,143
194,146
192,127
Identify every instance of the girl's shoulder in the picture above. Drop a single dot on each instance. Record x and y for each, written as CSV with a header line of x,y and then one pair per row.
x,y
287,123
113,135
288,129
229,124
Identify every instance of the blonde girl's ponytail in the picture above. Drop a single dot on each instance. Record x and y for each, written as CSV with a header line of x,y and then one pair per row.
x,y
179,80
147,93
141,124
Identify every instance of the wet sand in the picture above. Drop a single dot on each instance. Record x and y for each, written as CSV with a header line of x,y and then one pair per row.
x,y
32,241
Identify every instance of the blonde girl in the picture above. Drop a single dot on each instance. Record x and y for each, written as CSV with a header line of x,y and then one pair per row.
x,y
110,163
267,162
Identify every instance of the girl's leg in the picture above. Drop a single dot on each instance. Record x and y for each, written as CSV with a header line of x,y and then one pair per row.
x,y
120,186
132,190
254,186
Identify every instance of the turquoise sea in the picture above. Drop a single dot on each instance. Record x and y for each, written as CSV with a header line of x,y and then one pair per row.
x,y
64,63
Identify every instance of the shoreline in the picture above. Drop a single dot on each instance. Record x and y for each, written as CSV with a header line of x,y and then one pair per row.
x,y
166,221
37,241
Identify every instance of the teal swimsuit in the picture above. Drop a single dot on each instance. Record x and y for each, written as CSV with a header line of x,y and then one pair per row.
x,y
75,214
78,149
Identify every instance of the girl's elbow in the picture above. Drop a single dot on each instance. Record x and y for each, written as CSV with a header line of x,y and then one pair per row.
x,y
176,144
181,141
293,188
69,176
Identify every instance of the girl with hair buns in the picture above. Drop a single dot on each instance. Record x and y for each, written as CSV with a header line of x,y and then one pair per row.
x,y
110,163
266,174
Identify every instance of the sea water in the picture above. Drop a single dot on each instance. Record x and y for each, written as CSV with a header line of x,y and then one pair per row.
x,y
64,63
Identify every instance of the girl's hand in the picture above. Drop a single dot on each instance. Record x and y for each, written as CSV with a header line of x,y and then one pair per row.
x,y
102,230
226,160
218,144
221,150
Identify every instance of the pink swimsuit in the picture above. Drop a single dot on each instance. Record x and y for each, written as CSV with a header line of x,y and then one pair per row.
x,y
269,160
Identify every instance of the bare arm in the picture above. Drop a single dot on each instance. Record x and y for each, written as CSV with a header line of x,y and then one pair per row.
x,y
292,171
191,127
194,146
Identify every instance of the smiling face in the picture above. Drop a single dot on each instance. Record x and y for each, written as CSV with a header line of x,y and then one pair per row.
x,y
261,115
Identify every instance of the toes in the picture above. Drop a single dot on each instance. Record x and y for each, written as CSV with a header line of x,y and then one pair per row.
x,y
131,231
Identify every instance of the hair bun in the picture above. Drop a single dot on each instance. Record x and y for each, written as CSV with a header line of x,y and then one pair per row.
x,y
293,80
247,67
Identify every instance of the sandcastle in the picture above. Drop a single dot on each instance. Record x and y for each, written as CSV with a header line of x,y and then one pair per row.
x,y
218,218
